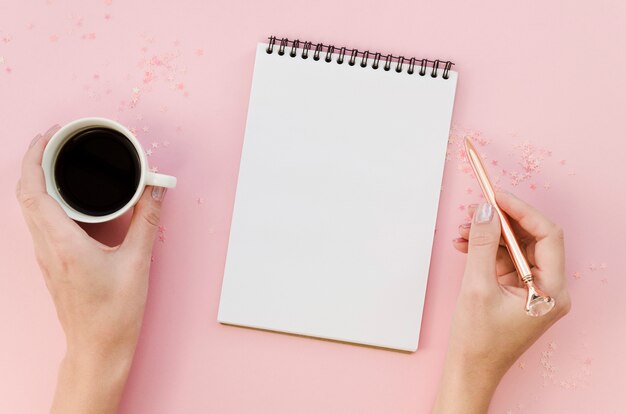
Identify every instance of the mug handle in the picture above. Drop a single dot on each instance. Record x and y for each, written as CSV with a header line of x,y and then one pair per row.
x,y
160,180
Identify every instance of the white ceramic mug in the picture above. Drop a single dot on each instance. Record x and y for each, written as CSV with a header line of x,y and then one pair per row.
x,y
59,139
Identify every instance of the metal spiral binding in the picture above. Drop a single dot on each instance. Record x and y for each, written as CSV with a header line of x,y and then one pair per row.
x,y
327,51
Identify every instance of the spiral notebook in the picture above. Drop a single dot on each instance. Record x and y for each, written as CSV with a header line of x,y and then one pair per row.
x,y
337,195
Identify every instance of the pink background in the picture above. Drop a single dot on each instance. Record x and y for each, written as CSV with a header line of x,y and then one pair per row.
x,y
541,87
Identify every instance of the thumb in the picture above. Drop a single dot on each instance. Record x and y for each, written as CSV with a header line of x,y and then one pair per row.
x,y
145,221
484,238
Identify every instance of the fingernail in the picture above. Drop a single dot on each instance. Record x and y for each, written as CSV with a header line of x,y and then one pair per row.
x,y
483,214
34,141
53,128
158,193
465,225
459,240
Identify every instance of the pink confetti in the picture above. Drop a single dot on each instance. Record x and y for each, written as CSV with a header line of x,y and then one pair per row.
x,y
199,52
148,76
200,200
107,17
576,275
7,38
145,129
154,169
533,186
53,38
161,231
462,207
88,36
149,152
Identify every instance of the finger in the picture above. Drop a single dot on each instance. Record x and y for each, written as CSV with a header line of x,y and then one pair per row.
x,y
460,244
41,211
483,247
528,218
522,235
504,264
145,222
548,252
464,231
33,180
471,209
510,279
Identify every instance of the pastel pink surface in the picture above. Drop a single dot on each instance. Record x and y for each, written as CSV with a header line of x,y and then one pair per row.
x,y
540,87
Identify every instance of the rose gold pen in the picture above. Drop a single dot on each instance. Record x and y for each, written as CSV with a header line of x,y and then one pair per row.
x,y
537,303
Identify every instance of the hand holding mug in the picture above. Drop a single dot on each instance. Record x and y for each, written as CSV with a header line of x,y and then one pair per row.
x,y
99,291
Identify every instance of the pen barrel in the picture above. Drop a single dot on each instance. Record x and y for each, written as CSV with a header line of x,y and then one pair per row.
x,y
512,245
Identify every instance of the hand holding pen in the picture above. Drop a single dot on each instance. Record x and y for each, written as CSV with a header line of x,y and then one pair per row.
x,y
490,330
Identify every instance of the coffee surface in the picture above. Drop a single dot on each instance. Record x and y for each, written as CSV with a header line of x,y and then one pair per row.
x,y
97,171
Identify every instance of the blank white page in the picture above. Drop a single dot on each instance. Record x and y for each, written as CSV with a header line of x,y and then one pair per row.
x,y
337,199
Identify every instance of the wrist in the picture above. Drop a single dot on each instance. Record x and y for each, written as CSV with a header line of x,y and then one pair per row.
x,y
90,379
106,368
466,386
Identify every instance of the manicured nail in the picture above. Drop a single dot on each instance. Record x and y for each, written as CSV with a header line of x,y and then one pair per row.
x,y
52,129
483,214
158,193
34,141
465,225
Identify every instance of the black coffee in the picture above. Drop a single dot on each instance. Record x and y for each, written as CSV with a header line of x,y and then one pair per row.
x,y
97,171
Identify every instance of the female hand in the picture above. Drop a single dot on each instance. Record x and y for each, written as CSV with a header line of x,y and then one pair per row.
x,y
99,292
491,330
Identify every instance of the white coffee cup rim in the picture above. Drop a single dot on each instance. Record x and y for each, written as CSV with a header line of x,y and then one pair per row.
x,y
67,131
